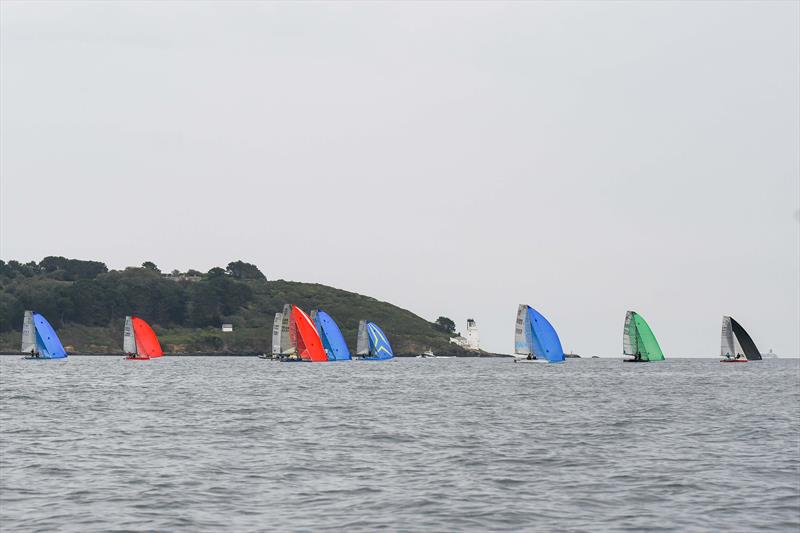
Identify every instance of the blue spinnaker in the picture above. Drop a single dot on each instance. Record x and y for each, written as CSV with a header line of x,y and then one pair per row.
x,y
332,338
545,343
379,347
47,342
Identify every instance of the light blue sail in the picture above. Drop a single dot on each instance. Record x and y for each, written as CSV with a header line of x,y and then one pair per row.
x,y
332,338
379,347
47,342
544,340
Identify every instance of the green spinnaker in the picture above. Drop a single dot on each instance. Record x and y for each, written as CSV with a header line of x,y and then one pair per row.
x,y
645,340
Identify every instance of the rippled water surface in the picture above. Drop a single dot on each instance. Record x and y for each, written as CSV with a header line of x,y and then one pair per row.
x,y
209,444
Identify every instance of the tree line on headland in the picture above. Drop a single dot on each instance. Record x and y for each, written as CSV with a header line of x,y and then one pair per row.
x,y
87,303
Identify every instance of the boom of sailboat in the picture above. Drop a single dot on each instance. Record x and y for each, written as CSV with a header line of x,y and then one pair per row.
x,y
316,338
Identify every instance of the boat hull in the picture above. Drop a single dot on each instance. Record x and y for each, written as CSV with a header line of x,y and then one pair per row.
x,y
533,361
733,360
635,361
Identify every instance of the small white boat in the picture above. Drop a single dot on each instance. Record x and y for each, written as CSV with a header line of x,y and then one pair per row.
x,y
427,354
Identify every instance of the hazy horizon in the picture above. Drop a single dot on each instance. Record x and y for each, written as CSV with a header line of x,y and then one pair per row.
x,y
453,159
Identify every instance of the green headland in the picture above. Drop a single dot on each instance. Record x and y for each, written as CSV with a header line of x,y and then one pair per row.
x,y
87,303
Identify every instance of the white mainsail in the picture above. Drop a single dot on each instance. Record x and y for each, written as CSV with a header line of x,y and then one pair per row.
x,y
629,344
288,341
28,333
276,334
362,340
129,337
729,344
521,344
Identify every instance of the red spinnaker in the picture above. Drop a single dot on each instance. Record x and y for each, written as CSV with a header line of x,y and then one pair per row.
x,y
146,341
309,345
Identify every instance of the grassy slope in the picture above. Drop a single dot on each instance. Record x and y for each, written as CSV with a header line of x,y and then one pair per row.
x,y
408,333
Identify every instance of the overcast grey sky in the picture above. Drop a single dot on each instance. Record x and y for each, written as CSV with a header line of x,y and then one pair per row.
x,y
454,159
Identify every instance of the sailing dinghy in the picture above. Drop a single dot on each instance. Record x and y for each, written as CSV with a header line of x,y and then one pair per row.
x,y
332,339
276,339
638,340
300,340
535,339
39,339
139,340
736,345
371,343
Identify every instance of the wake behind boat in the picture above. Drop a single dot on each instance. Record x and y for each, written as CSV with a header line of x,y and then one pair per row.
x,y
39,339
736,345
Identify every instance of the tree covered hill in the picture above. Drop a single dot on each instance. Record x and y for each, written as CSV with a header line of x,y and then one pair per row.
x,y
87,304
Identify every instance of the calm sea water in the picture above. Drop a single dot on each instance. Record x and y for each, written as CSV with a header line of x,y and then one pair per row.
x,y
209,444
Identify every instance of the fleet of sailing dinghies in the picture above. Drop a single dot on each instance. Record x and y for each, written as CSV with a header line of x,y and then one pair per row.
x,y
371,343
297,336
535,339
39,339
139,340
638,340
736,345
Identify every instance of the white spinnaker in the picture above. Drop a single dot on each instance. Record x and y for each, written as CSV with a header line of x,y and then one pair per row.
x,y
276,334
28,333
629,344
521,345
129,336
362,340
288,341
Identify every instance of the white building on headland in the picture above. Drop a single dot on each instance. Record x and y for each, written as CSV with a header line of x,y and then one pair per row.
x,y
472,340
